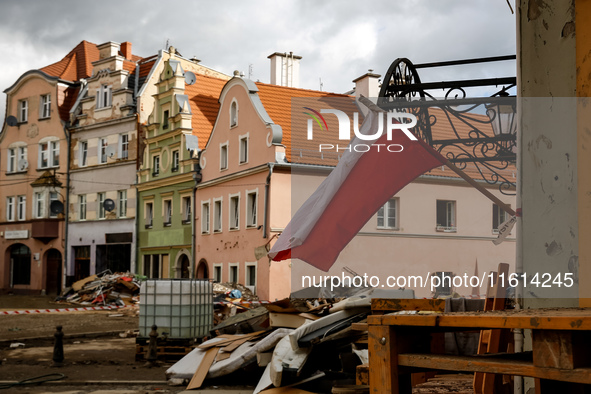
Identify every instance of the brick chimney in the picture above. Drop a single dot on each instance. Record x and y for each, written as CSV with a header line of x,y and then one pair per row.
x,y
126,50
285,69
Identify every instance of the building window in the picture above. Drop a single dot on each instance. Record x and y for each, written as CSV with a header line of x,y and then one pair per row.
x,y
22,207
83,150
175,161
445,284
233,273
122,203
155,165
234,114
217,272
205,218
53,196
234,212
165,117
251,209
388,215
499,217
10,209
102,150
39,205
82,207
23,111
149,214
103,97
217,216
186,206
45,106
49,154
167,208
446,216
224,156
124,146
101,205
244,149
153,266
11,165
251,276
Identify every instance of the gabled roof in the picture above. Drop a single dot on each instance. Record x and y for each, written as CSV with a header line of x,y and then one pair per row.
x,y
76,64
203,96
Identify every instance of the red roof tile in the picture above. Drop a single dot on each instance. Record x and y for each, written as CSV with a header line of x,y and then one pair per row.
x,y
75,65
204,95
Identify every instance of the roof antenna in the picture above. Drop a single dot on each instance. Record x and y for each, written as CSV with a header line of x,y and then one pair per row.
x,y
166,45
321,84
250,71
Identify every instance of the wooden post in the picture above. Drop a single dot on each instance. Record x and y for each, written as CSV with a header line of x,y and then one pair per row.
x,y
384,376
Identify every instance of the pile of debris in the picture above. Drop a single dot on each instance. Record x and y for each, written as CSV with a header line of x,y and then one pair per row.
x,y
106,288
231,299
312,344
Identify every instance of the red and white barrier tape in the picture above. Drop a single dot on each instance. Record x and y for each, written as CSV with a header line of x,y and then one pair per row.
x,y
90,308
242,303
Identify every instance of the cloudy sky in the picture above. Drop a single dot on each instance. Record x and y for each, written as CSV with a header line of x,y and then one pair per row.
x,y
338,40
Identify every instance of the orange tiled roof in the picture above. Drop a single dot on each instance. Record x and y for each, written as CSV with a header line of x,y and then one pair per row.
x,y
75,65
204,95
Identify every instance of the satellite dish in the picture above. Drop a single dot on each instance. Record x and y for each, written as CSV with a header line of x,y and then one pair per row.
x,y
109,205
56,207
11,121
111,150
23,164
190,78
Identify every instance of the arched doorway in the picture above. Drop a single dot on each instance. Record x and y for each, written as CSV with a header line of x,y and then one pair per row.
x,y
53,279
20,265
202,271
184,264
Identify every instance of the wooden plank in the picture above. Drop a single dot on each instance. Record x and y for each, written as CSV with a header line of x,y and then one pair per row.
x,y
384,345
222,356
228,341
394,304
285,320
203,368
362,375
496,365
561,349
234,345
359,326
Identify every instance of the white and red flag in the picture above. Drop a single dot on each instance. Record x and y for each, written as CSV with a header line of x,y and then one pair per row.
x,y
353,192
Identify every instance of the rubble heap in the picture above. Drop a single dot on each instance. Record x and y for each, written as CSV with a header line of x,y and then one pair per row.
x,y
106,288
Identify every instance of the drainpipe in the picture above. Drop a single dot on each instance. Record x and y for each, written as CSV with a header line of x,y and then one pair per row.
x,y
197,177
66,210
267,184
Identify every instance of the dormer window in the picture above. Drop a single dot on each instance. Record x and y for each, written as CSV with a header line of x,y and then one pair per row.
x,y
234,114
23,111
165,120
103,96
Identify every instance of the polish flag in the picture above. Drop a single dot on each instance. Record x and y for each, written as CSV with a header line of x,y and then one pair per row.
x,y
353,192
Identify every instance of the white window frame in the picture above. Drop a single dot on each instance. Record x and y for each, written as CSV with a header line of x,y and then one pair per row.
x,y
124,146
218,217
54,155
122,203
21,155
206,217
501,217
224,156
243,142
237,266
104,97
11,157
450,225
186,208
234,212
176,155
149,214
44,155
234,113
252,217
23,111
45,106
219,266
167,211
21,208
251,286
155,165
83,153
102,150
100,200
53,196
384,214
38,205
82,204
10,208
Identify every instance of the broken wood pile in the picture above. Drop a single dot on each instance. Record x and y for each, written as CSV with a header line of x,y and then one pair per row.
x,y
106,288
312,344
452,383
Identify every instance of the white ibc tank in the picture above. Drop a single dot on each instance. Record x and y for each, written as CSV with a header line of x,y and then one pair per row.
x,y
183,308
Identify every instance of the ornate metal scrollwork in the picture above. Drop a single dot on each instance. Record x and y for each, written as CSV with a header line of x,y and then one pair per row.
x,y
478,133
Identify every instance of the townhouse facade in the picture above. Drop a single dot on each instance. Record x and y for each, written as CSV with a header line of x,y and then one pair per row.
x,y
33,175
185,106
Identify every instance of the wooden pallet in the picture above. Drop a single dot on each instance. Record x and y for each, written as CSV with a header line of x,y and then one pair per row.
x,y
168,350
